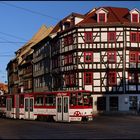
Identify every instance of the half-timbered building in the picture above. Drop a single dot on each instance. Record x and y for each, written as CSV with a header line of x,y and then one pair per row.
x,y
99,51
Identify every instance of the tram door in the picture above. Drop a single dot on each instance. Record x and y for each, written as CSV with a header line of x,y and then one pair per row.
x,y
28,106
8,107
62,108
17,106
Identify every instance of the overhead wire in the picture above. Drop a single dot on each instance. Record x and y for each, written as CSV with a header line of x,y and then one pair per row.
x,y
28,10
7,34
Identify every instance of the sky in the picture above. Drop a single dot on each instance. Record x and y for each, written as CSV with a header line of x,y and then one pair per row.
x,y
20,20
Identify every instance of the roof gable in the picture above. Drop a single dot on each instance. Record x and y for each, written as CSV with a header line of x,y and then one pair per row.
x,y
101,10
135,10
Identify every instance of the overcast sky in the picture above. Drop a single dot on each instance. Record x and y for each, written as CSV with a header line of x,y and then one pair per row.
x,y
21,20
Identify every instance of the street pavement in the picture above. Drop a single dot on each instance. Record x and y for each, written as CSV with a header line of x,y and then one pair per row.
x,y
102,127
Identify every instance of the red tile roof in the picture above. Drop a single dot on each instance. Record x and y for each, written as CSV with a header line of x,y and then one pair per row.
x,y
57,27
115,14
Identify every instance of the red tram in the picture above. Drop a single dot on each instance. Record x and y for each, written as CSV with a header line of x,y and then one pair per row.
x,y
65,106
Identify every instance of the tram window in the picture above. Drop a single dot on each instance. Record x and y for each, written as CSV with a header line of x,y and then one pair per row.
x,y
65,105
39,100
73,99
21,100
9,104
50,100
80,99
13,101
87,100
3,101
0,101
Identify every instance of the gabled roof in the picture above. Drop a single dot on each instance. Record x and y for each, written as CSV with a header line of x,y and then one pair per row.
x,y
41,34
135,9
57,27
115,15
101,10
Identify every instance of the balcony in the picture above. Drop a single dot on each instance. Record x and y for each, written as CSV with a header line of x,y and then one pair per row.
x,y
36,59
41,89
20,72
16,82
38,73
27,75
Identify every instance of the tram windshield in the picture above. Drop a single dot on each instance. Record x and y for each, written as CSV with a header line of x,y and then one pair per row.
x,y
80,99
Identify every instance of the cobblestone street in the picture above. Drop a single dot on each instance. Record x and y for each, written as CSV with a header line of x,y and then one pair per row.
x,y
103,127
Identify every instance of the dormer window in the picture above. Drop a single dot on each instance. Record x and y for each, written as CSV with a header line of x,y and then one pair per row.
x,y
67,25
101,15
134,15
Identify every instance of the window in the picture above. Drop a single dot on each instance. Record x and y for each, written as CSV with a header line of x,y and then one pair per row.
x,y
134,17
21,101
88,57
88,78
112,79
139,78
65,59
133,56
133,37
68,59
132,77
50,100
111,56
67,25
133,100
138,37
111,36
101,17
65,41
39,100
67,79
88,37
73,99
70,40
72,79
138,56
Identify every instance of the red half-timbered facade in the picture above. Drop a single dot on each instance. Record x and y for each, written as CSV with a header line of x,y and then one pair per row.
x,y
99,51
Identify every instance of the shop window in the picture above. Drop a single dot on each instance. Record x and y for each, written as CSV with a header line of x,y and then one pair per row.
x,y
132,77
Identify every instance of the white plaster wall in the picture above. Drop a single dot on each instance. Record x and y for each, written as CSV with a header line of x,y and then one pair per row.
x,y
88,29
80,39
96,57
88,87
104,36
111,29
77,20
